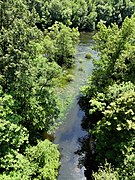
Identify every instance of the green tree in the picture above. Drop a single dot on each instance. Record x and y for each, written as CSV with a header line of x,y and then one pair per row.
x,y
27,75
64,41
45,158
84,14
106,172
28,104
117,107
40,162
116,51
109,97
115,131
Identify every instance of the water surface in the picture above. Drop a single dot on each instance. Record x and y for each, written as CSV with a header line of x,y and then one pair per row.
x,y
70,132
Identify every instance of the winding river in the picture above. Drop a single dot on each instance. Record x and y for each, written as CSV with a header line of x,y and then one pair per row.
x,y
71,133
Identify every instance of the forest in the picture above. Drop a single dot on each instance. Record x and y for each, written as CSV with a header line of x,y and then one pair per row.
x,y
38,40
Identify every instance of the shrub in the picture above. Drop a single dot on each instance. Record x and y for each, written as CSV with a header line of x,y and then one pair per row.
x,y
88,56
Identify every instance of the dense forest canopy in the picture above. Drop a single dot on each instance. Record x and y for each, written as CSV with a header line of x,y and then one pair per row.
x,y
37,40
84,14
109,95
28,105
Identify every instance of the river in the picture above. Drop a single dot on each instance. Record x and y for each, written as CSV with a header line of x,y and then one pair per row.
x,y
70,134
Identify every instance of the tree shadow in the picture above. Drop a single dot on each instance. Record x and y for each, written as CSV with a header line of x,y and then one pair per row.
x,y
86,152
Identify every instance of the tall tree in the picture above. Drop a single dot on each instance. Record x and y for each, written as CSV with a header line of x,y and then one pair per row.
x,y
109,96
28,105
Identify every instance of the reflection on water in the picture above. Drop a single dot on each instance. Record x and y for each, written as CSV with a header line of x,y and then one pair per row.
x,y
72,138
71,168
87,148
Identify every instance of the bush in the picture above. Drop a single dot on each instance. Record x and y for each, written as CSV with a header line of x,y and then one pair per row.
x,y
105,173
80,60
69,77
88,56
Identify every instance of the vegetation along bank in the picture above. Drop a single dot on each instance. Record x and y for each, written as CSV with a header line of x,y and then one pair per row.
x,y
37,41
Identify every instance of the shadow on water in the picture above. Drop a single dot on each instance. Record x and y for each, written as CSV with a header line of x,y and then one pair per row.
x,y
87,148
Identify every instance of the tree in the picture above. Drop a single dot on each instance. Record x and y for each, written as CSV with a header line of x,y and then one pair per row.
x,y
27,75
109,97
117,107
84,14
105,172
64,40
28,105
116,51
115,131
45,158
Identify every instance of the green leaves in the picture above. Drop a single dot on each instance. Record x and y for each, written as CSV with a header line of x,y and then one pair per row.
x,y
110,93
45,158
28,105
62,41
106,172
27,74
118,118
84,14
116,50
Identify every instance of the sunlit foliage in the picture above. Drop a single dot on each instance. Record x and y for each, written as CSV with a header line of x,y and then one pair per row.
x,y
110,95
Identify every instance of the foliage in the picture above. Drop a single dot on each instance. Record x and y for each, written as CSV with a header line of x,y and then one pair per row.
x,y
31,58
116,51
27,75
40,162
21,168
13,136
45,158
110,95
63,41
84,14
88,56
69,77
128,166
105,172
28,105
117,106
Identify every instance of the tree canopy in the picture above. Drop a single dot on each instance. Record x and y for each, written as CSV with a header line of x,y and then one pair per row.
x,y
37,41
84,14
110,95
28,104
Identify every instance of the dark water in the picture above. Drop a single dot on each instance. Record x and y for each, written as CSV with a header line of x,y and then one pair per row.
x,y
72,137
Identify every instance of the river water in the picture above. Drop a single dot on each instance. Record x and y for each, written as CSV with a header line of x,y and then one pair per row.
x,y
70,133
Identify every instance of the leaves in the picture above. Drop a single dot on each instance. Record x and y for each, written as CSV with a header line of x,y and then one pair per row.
x,y
28,105
110,95
45,158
